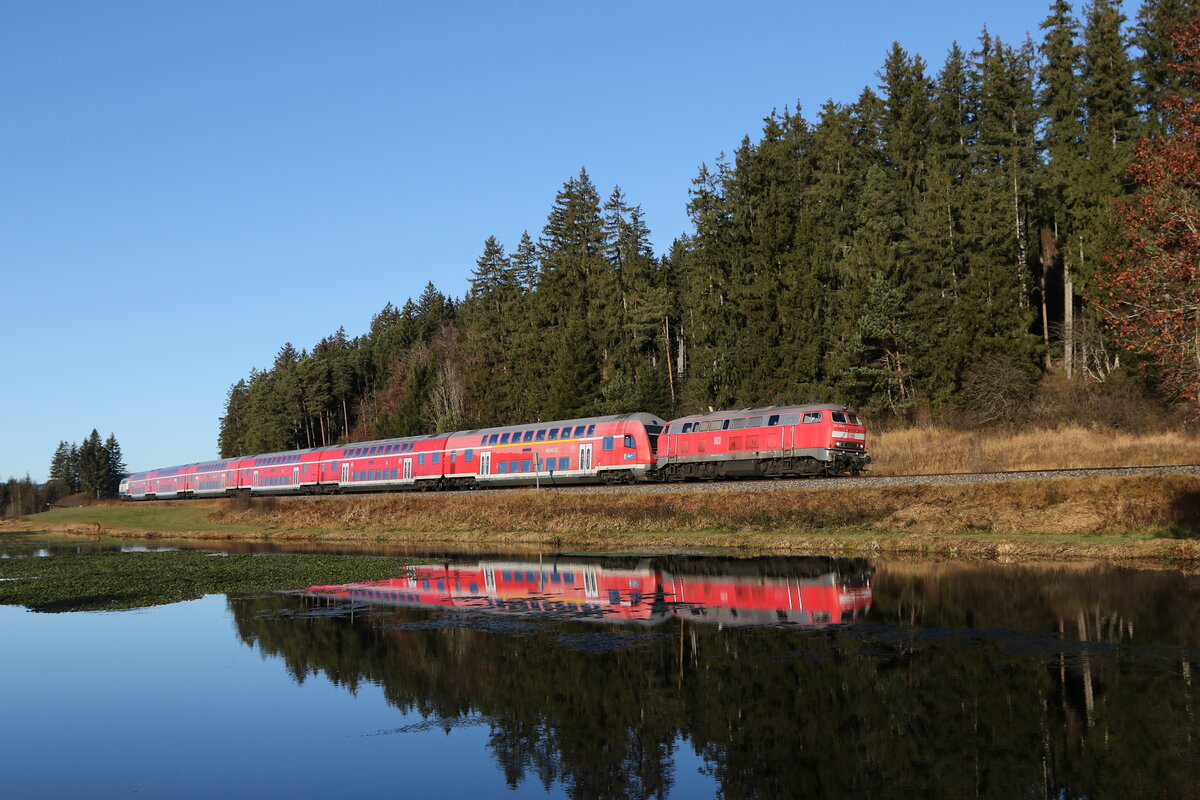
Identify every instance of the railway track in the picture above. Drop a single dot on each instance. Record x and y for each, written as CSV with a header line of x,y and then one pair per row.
x,y
817,484
763,485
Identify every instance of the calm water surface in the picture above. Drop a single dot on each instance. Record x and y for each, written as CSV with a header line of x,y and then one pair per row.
x,y
575,676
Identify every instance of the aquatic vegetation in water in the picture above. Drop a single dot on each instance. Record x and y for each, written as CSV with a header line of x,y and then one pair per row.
x,y
111,580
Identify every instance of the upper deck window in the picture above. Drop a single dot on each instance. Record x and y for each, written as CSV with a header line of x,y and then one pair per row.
x,y
552,433
504,438
591,429
540,436
579,429
528,436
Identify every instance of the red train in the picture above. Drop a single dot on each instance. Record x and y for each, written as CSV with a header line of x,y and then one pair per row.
x,y
639,593
625,448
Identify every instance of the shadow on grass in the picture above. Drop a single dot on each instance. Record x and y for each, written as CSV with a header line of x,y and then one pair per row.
x,y
1185,515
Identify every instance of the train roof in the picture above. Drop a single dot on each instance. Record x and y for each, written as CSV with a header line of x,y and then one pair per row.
x,y
764,410
644,418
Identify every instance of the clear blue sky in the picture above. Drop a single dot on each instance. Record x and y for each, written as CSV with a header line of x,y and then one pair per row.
x,y
187,186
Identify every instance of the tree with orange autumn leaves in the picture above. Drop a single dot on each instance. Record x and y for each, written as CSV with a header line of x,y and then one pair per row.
x,y
1150,288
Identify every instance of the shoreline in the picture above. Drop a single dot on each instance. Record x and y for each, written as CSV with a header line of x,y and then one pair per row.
x,y
1147,518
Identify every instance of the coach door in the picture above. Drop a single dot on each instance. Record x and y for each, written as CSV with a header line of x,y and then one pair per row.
x,y
346,472
485,463
585,456
408,469
295,476
254,482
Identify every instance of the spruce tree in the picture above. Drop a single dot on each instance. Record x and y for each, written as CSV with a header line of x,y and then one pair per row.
x,y
1060,199
232,425
93,466
1157,20
60,481
114,466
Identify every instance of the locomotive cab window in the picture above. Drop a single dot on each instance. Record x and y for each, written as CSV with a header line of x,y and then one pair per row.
x,y
854,420
811,416
629,441
737,424
754,422
773,420
838,416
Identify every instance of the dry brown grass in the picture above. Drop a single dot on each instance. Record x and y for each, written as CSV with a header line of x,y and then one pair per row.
x,y
930,450
1111,506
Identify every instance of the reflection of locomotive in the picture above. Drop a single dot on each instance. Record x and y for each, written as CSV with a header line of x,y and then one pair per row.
x,y
770,442
641,592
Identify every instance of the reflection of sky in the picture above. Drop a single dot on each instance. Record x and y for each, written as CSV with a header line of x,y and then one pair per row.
x,y
168,702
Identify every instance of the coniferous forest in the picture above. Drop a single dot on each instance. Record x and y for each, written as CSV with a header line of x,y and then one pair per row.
x,y
944,246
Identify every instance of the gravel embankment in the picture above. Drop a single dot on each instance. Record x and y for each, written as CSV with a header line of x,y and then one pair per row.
x,y
769,485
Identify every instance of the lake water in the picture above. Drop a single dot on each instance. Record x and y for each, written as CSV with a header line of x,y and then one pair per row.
x,y
654,676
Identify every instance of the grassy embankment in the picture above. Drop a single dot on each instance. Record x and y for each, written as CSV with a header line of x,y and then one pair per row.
x,y
1151,516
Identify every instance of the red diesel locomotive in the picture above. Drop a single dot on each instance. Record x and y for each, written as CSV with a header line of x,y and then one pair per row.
x,y
624,448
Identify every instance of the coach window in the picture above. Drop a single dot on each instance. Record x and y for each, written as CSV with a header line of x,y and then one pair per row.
x,y
525,465
629,441
421,458
564,463
437,457
811,416
453,456
467,454
552,433
608,443
540,435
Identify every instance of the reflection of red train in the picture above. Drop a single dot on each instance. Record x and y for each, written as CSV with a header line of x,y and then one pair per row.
x,y
571,589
